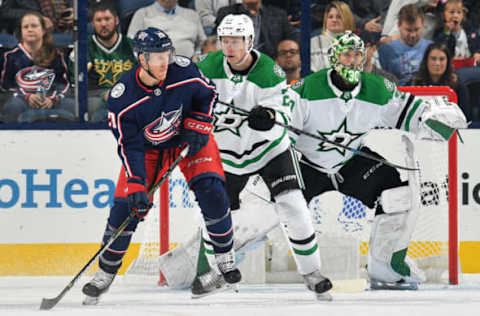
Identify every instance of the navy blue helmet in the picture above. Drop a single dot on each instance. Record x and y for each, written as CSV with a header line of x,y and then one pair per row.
x,y
152,40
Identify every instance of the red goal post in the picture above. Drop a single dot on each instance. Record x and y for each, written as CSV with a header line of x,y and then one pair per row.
x,y
452,177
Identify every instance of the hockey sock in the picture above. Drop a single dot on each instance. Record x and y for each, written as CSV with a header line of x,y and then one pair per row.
x,y
213,201
295,215
111,260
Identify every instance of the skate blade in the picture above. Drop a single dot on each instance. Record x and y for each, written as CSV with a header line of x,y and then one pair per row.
x,y
376,285
217,290
90,300
324,297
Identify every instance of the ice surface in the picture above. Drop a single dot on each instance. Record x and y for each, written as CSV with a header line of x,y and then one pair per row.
x,y
21,296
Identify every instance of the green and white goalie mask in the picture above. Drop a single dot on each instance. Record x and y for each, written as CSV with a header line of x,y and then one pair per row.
x,y
347,56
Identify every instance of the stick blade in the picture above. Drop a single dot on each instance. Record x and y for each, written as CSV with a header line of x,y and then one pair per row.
x,y
49,303
349,286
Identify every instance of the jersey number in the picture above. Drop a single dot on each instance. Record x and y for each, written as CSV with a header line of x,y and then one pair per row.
x,y
112,121
288,102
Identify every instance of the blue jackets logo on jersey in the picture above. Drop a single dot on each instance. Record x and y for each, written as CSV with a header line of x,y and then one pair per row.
x,y
164,128
32,78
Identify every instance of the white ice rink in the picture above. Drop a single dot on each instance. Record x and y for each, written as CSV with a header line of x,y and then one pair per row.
x,y
21,296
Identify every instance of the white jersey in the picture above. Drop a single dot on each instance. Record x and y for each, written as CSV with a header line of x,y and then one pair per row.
x,y
346,117
242,149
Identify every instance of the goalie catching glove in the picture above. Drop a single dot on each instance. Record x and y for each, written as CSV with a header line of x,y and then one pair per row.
x,y
196,132
440,119
261,118
138,200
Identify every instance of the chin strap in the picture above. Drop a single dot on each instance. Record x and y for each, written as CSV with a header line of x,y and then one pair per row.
x,y
244,59
148,66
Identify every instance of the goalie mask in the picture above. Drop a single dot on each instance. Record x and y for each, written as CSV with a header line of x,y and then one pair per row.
x,y
348,42
237,25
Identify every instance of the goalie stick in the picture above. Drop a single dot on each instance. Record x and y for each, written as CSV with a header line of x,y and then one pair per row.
x,y
49,303
326,140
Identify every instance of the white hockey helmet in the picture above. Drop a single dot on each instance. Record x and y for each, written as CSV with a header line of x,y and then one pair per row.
x,y
237,25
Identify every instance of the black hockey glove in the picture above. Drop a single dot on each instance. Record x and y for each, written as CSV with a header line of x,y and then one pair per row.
x,y
261,118
196,132
138,200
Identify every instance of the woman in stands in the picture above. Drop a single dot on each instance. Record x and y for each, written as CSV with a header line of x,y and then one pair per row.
x,y
337,19
436,69
35,73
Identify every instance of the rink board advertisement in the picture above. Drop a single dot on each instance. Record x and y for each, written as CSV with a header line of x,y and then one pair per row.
x,y
56,188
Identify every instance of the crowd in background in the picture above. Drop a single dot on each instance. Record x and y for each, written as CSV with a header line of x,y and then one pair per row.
x,y
409,42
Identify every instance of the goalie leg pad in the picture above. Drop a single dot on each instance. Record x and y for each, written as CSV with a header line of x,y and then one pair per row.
x,y
295,215
214,203
396,200
388,247
111,260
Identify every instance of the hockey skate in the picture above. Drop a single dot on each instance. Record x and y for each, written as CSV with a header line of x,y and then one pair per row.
x,y
208,284
410,283
97,286
319,284
226,265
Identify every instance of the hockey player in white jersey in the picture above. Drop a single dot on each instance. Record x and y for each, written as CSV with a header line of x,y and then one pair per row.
x,y
343,104
245,77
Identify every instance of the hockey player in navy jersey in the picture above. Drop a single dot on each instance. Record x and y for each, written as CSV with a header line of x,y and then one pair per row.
x,y
154,110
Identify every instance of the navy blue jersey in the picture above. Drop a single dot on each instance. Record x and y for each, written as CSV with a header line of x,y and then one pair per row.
x,y
142,118
19,74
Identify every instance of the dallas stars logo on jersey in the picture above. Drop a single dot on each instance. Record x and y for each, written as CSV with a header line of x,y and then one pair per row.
x,y
229,120
341,136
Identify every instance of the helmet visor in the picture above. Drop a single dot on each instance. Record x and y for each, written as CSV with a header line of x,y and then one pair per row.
x,y
159,58
232,43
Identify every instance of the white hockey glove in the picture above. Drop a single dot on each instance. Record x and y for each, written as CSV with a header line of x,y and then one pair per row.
x,y
440,119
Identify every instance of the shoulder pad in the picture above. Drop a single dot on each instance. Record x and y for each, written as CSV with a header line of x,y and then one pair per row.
x,y
117,90
182,61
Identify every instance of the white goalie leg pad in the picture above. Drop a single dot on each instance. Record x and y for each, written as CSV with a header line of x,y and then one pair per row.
x,y
397,200
250,224
391,232
295,215
178,265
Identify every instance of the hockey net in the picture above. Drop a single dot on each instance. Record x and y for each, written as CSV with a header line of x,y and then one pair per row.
x,y
342,223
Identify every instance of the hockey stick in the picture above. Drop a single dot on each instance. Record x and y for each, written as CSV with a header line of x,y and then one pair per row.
x,y
49,303
326,140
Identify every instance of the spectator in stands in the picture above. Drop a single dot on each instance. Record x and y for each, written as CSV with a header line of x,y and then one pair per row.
x,y
110,54
402,56
181,24
430,21
371,67
270,23
36,73
207,10
58,14
288,57
473,14
461,41
369,14
210,45
337,19
436,69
